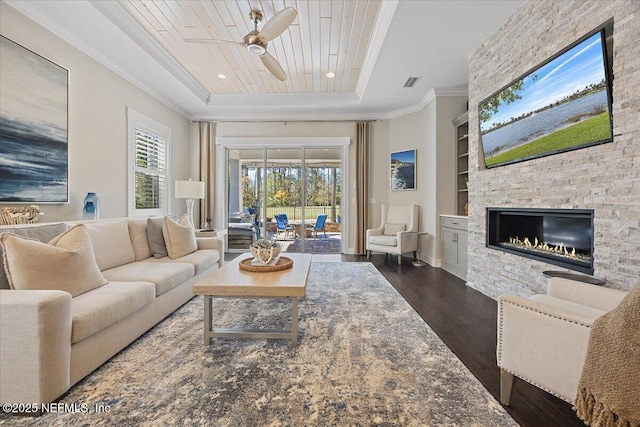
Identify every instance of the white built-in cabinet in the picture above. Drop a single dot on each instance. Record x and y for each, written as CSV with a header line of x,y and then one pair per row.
x,y
454,236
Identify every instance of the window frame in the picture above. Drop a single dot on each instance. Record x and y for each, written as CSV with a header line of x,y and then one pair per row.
x,y
137,120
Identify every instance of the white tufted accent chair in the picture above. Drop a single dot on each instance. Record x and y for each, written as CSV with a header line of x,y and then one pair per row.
x,y
403,241
543,339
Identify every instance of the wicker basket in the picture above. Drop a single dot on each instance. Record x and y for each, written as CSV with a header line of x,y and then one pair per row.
x,y
9,218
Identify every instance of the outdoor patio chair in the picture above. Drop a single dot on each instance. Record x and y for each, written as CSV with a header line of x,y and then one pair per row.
x,y
319,225
284,226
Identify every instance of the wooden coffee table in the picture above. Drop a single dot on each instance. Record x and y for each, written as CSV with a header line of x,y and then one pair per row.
x,y
231,282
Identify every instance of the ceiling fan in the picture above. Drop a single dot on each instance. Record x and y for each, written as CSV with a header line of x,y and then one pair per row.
x,y
256,41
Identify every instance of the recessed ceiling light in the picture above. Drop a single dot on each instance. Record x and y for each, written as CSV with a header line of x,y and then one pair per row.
x,y
331,74
222,76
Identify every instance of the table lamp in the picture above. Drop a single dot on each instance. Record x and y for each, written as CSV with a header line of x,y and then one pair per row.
x,y
190,190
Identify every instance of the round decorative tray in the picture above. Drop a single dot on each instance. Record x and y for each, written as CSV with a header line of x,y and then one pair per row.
x,y
283,263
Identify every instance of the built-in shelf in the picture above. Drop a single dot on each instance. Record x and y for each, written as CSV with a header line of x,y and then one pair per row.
x,y
462,162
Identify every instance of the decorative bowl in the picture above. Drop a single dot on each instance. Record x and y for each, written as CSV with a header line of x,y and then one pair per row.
x,y
265,250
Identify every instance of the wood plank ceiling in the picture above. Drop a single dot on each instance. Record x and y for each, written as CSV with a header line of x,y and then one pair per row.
x,y
327,36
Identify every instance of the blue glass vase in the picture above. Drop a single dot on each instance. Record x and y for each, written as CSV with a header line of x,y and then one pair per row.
x,y
91,208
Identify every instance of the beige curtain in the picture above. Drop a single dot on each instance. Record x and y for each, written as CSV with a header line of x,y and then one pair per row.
x,y
207,170
362,184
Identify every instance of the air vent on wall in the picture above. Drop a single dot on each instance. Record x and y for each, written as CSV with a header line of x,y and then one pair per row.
x,y
411,81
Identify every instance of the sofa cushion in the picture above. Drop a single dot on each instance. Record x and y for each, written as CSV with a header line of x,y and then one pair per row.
x,y
139,239
42,233
179,237
165,275
201,259
384,240
66,263
111,243
393,229
157,245
573,307
102,307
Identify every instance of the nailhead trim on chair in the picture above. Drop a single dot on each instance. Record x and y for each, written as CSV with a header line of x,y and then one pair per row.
x,y
499,358
538,385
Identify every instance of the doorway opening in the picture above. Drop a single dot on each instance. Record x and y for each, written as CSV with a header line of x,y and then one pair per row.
x,y
292,195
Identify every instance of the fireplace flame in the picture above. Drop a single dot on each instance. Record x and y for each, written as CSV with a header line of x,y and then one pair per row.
x,y
558,249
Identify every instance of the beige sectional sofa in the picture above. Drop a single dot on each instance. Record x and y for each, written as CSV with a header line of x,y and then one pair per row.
x,y
50,340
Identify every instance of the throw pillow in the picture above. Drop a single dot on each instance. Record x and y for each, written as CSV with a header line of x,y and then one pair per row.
x,y
42,233
157,245
393,229
179,236
139,238
66,263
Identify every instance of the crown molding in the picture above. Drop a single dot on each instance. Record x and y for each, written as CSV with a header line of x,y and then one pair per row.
x,y
241,113
383,22
430,96
285,116
282,141
119,16
31,12
299,100
452,91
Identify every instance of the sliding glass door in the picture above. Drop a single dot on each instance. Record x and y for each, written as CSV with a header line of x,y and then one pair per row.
x,y
323,197
245,177
292,195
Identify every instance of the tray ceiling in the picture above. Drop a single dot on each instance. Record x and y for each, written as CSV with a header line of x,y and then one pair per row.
x,y
326,36
372,46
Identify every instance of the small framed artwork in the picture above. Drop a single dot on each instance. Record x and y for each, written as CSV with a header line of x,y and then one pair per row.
x,y
403,170
34,165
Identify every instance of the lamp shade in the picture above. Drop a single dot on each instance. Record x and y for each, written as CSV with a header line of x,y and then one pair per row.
x,y
189,189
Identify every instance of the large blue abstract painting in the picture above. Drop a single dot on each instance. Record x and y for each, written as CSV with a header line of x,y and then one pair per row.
x,y
33,127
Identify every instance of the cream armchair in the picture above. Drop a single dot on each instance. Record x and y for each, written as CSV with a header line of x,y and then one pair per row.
x,y
543,339
401,225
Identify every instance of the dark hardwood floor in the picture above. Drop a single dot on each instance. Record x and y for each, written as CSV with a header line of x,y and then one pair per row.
x,y
466,321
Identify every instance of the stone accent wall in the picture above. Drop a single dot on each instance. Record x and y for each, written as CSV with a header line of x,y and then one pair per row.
x,y
605,178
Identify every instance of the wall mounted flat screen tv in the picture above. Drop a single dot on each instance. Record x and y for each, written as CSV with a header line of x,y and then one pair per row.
x,y
563,104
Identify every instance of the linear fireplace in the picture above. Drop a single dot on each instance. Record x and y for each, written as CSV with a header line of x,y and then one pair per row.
x,y
562,237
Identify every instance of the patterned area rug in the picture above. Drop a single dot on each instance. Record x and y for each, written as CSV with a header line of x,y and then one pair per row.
x,y
364,358
329,244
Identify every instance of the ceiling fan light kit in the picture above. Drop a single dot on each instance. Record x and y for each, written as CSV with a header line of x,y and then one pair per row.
x,y
256,41
256,49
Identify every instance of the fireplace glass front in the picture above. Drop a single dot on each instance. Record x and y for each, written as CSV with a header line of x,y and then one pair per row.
x,y
562,237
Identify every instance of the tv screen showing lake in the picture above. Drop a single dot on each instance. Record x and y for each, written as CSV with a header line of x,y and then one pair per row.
x,y
562,105
543,123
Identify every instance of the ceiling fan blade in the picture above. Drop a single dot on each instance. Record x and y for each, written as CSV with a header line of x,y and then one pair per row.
x,y
207,41
276,25
273,66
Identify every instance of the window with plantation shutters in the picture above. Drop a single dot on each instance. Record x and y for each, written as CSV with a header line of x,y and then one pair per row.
x,y
148,165
150,169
